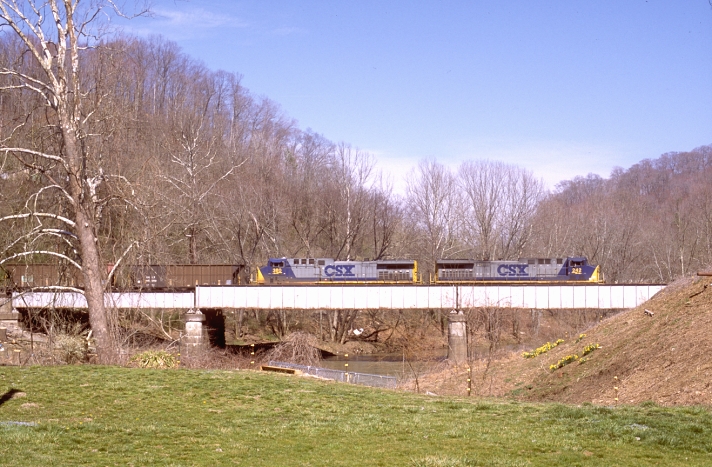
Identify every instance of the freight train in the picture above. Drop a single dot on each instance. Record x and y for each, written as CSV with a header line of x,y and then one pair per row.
x,y
574,269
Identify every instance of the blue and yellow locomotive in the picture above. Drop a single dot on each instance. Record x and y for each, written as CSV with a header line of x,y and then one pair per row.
x,y
570,269
328,270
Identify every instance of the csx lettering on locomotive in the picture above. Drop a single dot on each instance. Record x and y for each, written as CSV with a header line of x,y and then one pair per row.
x,y
339,271
512,270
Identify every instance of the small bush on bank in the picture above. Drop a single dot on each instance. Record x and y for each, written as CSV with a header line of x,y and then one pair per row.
x,y
543,349
157,359
298,347
572,358
71,348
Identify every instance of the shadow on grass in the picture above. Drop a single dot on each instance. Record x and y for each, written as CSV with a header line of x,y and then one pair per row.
x,y
8,395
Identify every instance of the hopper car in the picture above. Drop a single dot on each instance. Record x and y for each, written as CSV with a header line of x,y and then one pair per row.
x,y
180,276
23,276
133,277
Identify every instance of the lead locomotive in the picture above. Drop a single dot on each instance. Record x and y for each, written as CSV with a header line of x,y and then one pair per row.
x,y
570,269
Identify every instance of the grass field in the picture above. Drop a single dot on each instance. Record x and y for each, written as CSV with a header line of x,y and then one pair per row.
x,y
90,415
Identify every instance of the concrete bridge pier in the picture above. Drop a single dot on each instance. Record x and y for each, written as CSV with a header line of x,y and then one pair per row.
x,y
195,337
457,337
9,317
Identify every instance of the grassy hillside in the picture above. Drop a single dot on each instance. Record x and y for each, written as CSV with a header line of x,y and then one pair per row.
x,y
85,415
664,358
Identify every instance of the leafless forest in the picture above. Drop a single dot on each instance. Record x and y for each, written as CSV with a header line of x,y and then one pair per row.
x,y
185,165
116,150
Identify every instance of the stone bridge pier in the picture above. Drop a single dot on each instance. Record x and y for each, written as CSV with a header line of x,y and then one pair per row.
x,y
195,337
457,337
9,318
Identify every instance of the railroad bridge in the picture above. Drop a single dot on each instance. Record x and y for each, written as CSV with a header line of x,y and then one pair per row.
x,y
213,299
363,297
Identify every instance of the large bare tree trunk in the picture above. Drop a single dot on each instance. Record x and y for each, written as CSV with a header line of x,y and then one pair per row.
x,y
93,287
72,171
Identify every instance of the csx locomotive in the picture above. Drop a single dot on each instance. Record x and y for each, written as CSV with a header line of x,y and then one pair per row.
x,y
570,269
328,270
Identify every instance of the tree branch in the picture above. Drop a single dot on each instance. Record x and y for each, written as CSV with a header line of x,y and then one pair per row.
x,y
39,214
38,154
113,269
42,252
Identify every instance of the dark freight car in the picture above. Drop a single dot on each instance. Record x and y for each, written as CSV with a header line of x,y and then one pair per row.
x,y
185,275
24,276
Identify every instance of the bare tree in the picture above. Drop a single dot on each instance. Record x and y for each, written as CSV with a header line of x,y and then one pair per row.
x,y
481,181
430,193
308,171
340,322
501,202
198,161
648,222
347,200
55,36
386,220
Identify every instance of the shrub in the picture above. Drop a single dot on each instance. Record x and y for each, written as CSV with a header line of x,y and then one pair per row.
x,y
543,349
572,358
72,348
590,348
154,359
563,362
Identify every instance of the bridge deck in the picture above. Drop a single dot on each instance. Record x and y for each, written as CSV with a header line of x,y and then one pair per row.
x,y
601,296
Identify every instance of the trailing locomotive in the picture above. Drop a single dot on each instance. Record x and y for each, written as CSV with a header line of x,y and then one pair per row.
x,y
570,269
327,270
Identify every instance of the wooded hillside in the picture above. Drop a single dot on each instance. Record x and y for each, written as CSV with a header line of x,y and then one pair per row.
x,y
188,166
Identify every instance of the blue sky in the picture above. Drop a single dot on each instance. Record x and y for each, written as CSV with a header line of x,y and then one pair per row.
x,y
562,88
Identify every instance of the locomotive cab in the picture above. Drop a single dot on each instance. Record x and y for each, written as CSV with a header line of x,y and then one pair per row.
x,y
284,269
577,268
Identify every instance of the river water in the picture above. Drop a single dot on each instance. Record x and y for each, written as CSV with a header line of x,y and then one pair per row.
x,y
390,364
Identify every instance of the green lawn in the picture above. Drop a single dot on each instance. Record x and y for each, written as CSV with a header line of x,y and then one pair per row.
x,y
90,415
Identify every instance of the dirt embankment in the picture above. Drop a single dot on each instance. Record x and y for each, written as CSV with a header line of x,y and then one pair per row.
x,y
662,356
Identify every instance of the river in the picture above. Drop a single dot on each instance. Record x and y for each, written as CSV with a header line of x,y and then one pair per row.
x,y
391,364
